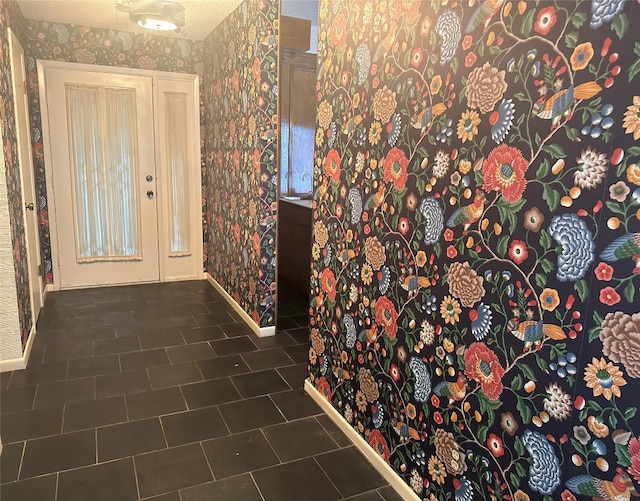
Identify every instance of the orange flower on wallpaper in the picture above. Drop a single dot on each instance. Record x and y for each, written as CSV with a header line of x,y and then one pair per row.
x,y
395,168
581,56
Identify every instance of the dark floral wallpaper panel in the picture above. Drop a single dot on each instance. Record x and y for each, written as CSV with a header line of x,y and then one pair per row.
x,y
240,96
11,17
476,247
90,45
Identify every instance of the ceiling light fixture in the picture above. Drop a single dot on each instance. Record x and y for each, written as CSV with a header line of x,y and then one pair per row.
x,y
161,15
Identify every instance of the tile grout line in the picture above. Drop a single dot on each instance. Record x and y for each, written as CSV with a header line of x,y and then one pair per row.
x,y
213,475
327,475
256,484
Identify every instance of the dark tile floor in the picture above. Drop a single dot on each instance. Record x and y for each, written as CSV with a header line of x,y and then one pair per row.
x,y
161,392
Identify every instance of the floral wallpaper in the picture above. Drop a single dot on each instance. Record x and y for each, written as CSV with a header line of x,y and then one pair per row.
x,y
11,17
476,247
89,45
240,92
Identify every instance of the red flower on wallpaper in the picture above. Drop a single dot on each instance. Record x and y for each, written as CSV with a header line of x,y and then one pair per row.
x,y
395,168
387,316
338,31
482,365
609,296
379,444
503,171
518,251
604,272
634,455
323,387
328,281
566,495
494,442
332,165
545,21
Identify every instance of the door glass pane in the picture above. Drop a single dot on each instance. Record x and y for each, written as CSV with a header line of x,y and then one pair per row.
x,y
103,154
178,173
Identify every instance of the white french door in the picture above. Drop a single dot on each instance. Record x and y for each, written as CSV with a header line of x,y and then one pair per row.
x,y
25,160
123,190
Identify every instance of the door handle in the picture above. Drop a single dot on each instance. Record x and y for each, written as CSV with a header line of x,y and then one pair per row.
x,y
29,206
149,194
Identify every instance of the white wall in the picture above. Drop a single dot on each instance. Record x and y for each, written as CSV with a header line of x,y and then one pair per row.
x,y
10,344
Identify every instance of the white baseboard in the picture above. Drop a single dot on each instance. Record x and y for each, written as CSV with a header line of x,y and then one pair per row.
x,y
49,288
361,444
259,331
15,364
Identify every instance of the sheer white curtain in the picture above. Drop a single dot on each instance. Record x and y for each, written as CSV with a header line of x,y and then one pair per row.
x,y
103,153
178,173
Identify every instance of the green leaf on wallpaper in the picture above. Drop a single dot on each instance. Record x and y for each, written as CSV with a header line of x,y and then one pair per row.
x,y
480,50
571,39
543,170
630,412
629,292
482,433
578,19
633,69
633,150
508,211
540,279
622,453
594,332
613,420
516,383
551,196
527,22
546,265
582,288
620,24
501,247
527,371
572,133
437,249
545,240
520,96
554,150
514,479
542,363
520,470
615,207
518,446
454,65
525,412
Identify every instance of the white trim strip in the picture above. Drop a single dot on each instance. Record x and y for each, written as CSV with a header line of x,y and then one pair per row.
x,y
15,364
361,444
259,331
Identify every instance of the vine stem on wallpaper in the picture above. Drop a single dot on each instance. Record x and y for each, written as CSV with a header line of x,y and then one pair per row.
x,y
523,41
476,441
496,258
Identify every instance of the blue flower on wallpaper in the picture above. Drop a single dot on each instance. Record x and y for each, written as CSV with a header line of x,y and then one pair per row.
x,y
350,326
423,380
432,213
572,233
544,472
603,11
448,27
503,120
363,58
464,489
356,205
480,321
385,280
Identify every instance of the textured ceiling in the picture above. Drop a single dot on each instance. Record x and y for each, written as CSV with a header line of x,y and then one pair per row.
x,y
201,16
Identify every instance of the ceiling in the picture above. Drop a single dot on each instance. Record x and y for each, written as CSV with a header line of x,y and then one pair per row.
x,y
201,16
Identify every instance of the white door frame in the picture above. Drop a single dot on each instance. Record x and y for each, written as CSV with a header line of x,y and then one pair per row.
x,y
46,137
27,176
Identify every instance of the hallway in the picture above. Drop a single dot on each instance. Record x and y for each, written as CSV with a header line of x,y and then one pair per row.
x,y
161,392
